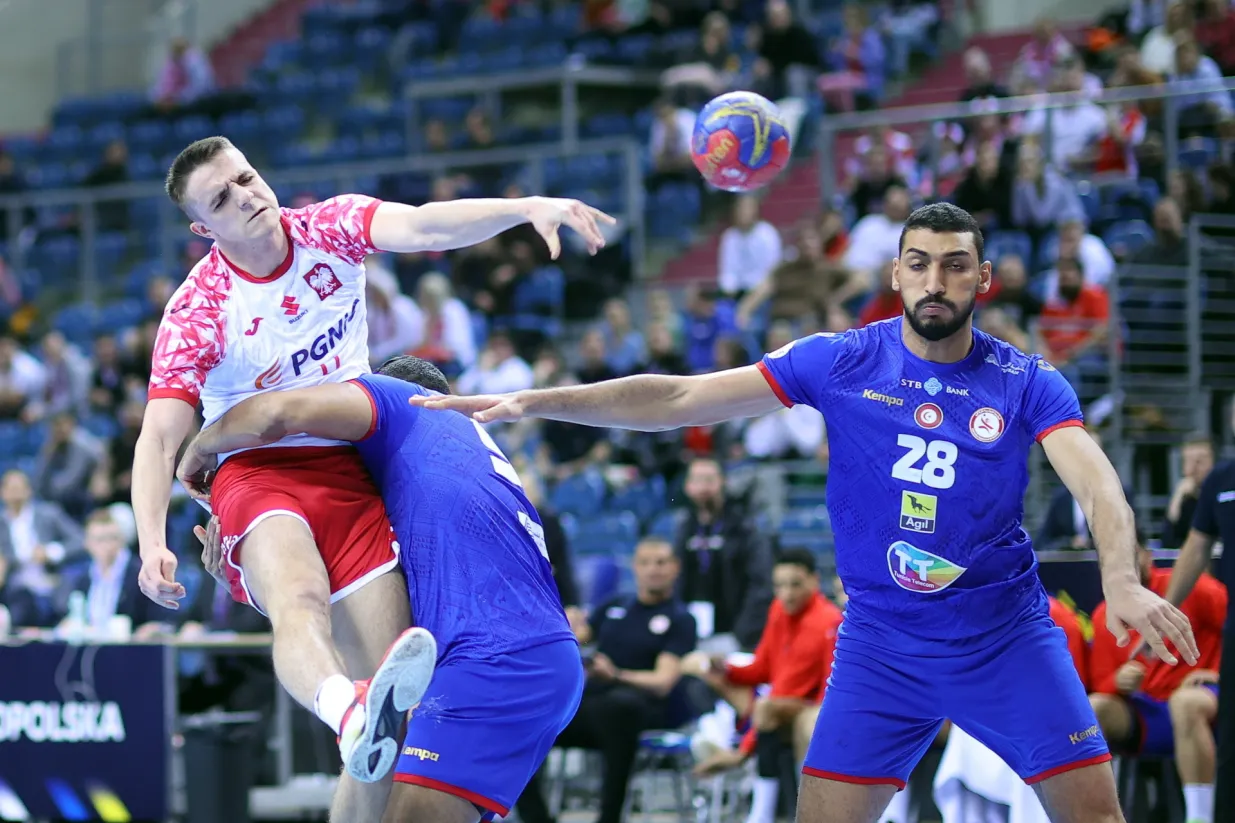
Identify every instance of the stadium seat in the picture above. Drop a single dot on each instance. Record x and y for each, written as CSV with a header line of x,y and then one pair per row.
x,y
1002,243
597,578
665,524
1128,237
644,499
612,534
582,495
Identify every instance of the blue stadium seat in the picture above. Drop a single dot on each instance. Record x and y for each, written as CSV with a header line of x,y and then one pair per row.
x,y
1196,153
582,495
665,524
102,426
1001,243
1128,237
188,129
122,314
598,579
12,439
543,292
644,499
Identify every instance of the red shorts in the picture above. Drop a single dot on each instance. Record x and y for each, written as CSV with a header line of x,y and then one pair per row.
x,y
328,489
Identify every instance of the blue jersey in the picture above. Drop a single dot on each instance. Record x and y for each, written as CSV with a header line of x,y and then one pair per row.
x,y
927,476
471,543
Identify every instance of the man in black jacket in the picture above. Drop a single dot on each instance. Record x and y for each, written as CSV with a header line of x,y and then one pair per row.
x,y
726,563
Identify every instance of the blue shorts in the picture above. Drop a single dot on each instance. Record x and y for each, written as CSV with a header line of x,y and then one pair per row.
x,y
1020,696
1153,718
484,726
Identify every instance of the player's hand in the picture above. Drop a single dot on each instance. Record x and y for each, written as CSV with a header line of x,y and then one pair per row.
x,y
157,578
717,762
196,472
603,668
548,214
1132,606
483,408
1129,676
212,550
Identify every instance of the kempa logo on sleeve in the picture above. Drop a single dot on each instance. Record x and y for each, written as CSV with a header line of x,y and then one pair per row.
x,y
41,722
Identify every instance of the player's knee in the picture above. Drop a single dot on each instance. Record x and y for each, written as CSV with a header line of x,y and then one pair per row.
x,y
298,600
1190,705
1112,714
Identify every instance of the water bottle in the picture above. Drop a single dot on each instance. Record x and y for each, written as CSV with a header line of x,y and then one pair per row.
x,y
75,628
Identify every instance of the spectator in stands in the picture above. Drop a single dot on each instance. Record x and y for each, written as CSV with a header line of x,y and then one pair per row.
x,y
875,239
710,68
12,182
1186,189
794,658
1041,197
884,303
112,482
1215,32
109,582
857,63
794,432
1012,295
1196,455
1158,47
1075,243
442,326
498,369
979,78
1169,247
986,190
111,215
909,26
595,364
557,547
107,387
623,342
1148,707
437,137
36,535
1199,112
1064,525
788,56
995,322
18,605
725,562
21,380
394,319
1143,15
640,641
1075,129
67,375
663,356
1221,179
749,249
66,463
661,309
185,77
1115,153
669,144
869,185
1074,324
708,318
808,288
1038,58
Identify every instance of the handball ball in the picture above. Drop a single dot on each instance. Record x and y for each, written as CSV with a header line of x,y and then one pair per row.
x,y
740,142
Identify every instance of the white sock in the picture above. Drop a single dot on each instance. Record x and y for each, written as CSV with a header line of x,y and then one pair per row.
x,y
1199,803
763,802
333,698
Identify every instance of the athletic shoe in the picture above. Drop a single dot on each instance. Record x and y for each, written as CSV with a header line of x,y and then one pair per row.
x,y
369,733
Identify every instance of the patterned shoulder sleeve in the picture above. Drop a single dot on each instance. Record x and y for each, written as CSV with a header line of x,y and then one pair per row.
x,y
191,337
338,226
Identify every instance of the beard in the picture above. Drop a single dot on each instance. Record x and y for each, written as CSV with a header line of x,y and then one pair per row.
x,y
938,328
1070,293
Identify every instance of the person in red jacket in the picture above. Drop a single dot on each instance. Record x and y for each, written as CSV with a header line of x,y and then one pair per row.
x,y
794,657
1148,707
1065,619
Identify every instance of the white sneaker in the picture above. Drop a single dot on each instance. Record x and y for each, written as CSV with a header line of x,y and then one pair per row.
x,y
368,736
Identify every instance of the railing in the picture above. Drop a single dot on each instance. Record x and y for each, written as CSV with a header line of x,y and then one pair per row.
x,y
171,224
832,125
124,44
569,78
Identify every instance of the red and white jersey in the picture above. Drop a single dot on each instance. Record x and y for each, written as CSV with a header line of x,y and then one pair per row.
x,y
226,335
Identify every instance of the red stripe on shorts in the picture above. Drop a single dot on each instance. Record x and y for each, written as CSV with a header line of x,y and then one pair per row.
x,y
447,788
1067,767
858,781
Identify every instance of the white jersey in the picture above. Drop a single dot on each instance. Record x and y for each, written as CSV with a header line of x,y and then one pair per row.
x,y
226,335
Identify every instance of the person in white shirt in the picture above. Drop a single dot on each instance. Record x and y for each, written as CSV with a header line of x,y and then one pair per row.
x,y
444,332
498,369
749,249
1076,243
875,240
22,379
394,319
279,303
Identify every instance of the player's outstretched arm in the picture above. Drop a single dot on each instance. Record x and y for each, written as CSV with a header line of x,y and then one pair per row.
x,y
454,224
337,411
1093,481
166,424
643,402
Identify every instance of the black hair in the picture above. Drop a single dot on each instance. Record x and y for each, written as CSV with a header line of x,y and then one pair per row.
x,y
798,557
944,217
193,157
411,369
